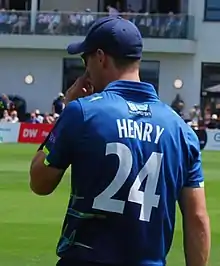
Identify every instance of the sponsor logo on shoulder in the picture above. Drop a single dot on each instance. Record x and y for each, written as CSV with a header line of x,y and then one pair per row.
x,y
139,109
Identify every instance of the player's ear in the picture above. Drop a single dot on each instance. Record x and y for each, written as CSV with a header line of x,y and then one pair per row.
x,y
101,56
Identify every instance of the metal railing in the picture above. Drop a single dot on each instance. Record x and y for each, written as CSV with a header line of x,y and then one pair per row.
x,y
77,23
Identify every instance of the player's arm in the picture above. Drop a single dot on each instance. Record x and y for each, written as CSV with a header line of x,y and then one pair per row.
x,y
196,227
53,158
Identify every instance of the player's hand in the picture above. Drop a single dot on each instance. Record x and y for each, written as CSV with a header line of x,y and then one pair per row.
x,y
82,87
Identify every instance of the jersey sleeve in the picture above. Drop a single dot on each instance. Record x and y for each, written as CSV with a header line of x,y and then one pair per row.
x,y
195,178
59,148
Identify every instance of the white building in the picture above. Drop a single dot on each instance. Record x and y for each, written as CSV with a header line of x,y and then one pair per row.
x,y
42,56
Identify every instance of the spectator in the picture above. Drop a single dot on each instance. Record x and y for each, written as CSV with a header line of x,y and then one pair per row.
x,y
87,18
33,119
3,21
43,20
197,110
54,23
3,104
6,117
6,104
169,25
12,106
207,115
75,22
48,119
217,109
55,116
13,17
58,104
178,105
112,11
63,27
21,24
195,114
18,104
14,117
214,122
38,116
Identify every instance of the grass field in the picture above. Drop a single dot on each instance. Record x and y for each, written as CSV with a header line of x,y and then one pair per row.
x,y
30,225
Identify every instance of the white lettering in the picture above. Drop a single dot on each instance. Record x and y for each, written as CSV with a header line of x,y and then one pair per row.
x,y
122,128
159,131
147,131
127,128
45,134
130,129
138,130
32,133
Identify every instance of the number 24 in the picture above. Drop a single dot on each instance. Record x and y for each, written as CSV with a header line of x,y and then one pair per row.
x,y
147,199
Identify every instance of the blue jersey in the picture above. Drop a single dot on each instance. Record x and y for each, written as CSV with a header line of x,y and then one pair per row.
x,y
130,157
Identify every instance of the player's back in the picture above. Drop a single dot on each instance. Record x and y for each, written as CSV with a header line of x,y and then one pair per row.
x,y
128,171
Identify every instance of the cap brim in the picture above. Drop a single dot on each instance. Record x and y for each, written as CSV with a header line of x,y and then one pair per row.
x,y
76,48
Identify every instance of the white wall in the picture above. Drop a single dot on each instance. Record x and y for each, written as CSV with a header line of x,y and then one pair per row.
x,y
174,67
207,34
45,66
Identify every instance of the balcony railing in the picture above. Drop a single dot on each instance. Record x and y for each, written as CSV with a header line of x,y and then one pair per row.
x,y
71,23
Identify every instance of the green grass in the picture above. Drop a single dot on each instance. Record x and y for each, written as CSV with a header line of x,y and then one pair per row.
x,y
30,225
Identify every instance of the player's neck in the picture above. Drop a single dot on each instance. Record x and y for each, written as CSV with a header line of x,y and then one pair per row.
x,y
131,76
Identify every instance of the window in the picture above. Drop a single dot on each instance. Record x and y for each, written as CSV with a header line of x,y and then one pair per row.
x,y
72,69
210,75
18,5
149,72
210,88
212,10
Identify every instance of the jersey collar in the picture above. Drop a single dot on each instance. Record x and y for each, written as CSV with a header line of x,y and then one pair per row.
x,y
125,87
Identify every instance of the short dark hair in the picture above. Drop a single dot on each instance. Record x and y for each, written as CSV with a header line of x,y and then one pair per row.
x,y
123,63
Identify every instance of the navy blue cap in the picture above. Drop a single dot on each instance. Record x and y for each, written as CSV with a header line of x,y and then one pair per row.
x,y
114,35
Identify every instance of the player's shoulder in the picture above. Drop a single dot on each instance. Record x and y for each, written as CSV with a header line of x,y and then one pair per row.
x,y
94,98
192,138
100,104
94,102
73,106
72,112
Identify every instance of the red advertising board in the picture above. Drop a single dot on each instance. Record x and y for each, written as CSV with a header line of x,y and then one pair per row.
x,y
34,133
